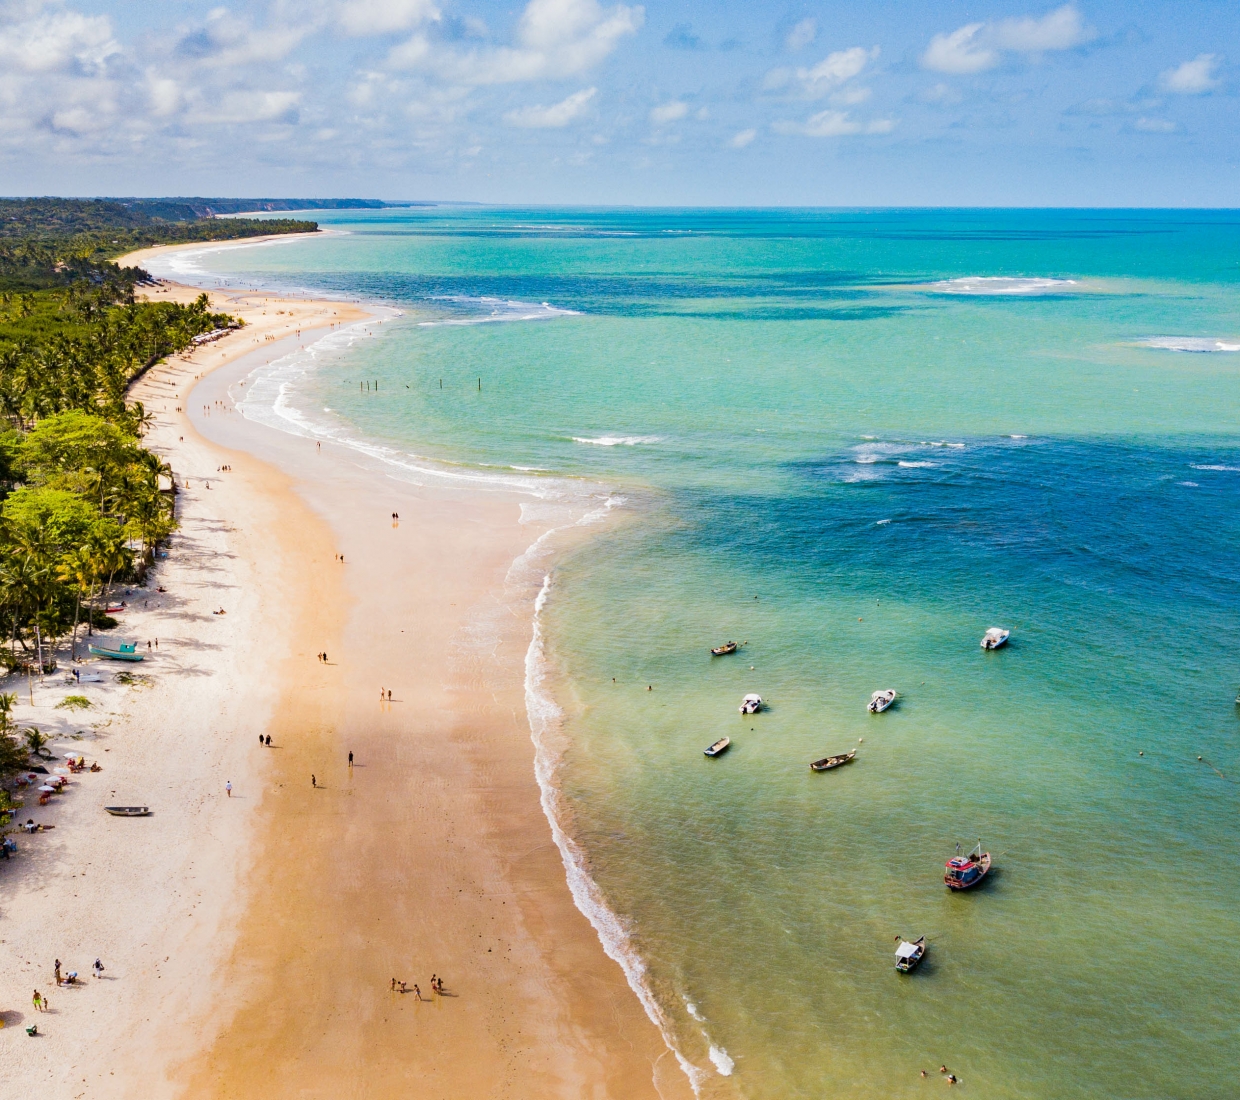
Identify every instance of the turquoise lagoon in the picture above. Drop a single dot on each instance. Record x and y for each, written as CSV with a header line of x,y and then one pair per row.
x,y
855,440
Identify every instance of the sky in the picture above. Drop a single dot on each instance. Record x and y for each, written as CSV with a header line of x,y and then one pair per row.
x,y
684,102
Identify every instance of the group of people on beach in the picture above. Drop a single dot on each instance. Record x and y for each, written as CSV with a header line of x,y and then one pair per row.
x,y
401,987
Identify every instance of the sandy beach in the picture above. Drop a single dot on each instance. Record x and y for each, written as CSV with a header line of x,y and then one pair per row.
x,y
251,941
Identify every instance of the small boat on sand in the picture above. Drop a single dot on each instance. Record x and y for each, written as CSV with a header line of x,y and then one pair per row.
x,y
724,650
881,700
720,746
128,811
126,651
909,955
829,762
751,704
995,637
965,871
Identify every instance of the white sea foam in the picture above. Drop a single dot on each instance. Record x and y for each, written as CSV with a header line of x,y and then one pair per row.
x,y
1189,484
1002,285
723,1063
618,440
1018,437
493,310
917,465
692,1009
882,522
1198,344
1228,469
545,717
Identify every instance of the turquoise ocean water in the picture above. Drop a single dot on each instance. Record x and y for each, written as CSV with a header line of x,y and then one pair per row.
x,y
856,440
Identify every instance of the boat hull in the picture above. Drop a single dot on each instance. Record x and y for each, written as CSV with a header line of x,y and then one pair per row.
x,y
829,762
983,867
128,811
114,654
719,747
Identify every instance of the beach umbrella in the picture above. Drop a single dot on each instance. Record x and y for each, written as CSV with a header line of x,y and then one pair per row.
x,y
50,790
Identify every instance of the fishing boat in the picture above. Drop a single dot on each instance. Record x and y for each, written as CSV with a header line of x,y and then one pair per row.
x,y
128,811
125,651
965,871
909,955
719,747
995,637
829,762
751,704
724,650
881,700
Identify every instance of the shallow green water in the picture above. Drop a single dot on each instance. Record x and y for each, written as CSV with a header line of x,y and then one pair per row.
x,y
774,395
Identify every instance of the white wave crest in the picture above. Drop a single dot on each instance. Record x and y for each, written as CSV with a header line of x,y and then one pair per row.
x,y
1228,469
723,1063
915,465
618,440
1003,285
545,716
1199,344
495,310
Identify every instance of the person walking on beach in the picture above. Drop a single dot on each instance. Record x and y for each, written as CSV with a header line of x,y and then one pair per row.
x,y
98,968
417,992
313,782
350,760
228,788
58,972
37,1000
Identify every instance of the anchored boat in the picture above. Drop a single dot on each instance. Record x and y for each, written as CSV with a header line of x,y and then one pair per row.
x,y
724,650
995,637
829,762
720,746
965,871
751,704
881,700
909,955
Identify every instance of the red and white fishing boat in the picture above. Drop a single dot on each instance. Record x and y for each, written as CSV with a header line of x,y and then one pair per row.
x,y
966,871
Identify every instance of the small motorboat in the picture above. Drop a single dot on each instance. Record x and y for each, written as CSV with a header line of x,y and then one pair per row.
x,y
128,811
995,637
719,747
751,704
965,871
125,651
909,955
881,700
829,762
724,650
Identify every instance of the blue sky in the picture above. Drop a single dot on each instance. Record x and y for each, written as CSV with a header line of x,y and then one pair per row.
x,y
582,101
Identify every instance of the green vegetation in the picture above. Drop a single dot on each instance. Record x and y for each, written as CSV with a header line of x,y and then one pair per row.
x,y
74,702
82,504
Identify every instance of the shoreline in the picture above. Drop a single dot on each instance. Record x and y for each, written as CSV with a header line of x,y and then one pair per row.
x,y
554,1016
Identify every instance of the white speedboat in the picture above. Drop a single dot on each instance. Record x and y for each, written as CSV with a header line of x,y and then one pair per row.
x,y
995,637
881,700
751,704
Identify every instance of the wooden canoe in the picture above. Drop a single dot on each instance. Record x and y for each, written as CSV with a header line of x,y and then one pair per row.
x,y
128,811
829,762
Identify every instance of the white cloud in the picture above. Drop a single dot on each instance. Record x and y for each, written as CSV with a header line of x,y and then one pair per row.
x,y
1194,77
255,106
976,47
1155,125
224,41
553,117
833,123
368,17
164,95
45,42
557,38
668,112
802,34
743,138
941,93
835,69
